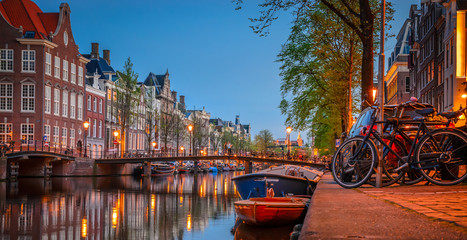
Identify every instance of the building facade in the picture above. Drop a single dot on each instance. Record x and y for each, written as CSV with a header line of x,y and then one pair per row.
x,y
41,68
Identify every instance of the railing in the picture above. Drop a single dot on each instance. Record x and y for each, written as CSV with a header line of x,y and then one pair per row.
x,y
38,145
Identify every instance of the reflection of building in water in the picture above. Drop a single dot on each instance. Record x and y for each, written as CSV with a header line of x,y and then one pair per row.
x,y
165,208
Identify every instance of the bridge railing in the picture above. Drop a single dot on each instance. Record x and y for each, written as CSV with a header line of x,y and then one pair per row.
x,y
38,146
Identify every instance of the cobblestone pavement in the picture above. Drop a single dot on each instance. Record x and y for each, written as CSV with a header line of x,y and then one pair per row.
x,y
444,203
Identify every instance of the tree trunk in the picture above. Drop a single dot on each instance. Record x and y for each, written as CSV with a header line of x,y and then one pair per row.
x,y
349,116
367,27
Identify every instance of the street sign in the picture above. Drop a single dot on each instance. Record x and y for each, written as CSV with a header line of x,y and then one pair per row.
x,y
44,138
46,144
115,142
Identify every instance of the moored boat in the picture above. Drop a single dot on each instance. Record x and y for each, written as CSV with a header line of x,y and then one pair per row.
x,y
285,180
271,211
157,169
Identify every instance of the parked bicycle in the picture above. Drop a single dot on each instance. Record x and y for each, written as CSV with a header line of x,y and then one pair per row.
x,y
431,152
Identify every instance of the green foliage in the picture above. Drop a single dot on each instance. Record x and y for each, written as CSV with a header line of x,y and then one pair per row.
x,y
263,139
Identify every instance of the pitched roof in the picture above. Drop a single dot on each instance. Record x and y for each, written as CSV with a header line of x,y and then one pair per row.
x,y
27,14
100,65
155,80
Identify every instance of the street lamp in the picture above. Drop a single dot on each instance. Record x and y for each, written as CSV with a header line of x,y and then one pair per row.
x,y
86,126
153,147
182,149
289,130
190,129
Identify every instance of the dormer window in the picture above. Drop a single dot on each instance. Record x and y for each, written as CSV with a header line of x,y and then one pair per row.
x,y
29,34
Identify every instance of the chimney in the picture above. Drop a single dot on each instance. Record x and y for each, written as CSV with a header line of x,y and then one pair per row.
x,y
174,95
182,100
95,50
107,55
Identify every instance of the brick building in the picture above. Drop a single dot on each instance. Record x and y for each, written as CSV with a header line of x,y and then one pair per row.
x,y
97,72
41,76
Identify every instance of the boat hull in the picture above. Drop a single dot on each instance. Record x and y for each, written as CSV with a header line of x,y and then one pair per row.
x,y
271,211
255,185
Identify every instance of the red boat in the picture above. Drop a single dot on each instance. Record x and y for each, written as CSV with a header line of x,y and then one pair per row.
x,y
271,211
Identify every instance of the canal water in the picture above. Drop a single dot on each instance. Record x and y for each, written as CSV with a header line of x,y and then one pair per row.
x,y
184,206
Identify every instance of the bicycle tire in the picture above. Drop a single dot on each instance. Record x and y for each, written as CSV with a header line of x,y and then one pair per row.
x,y
349,172
390,163
441,157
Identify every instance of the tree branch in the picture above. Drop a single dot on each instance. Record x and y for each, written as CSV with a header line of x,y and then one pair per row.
x,y
344,18
346,4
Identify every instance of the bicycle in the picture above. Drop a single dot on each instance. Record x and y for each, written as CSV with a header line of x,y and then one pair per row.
x,y
355,160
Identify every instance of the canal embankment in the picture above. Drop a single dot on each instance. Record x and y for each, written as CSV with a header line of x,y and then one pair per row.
x,y
399,212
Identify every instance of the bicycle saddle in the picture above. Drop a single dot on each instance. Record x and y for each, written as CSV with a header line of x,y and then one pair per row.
x,y
450,115
425,112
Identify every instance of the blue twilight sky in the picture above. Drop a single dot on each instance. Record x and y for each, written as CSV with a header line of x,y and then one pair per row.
x,y
212,55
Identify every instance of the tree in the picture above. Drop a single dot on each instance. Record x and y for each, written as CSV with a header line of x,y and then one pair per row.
x,y
263,140
200,132
127,91
179,129
319,66
359,17
151,116
215,139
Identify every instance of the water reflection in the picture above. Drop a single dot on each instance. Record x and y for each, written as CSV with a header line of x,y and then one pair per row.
x,y
171,207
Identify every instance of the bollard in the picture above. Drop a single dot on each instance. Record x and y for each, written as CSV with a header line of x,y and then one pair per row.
x,y
147,169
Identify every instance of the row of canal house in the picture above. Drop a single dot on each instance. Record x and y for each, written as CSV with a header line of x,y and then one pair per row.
x,y
48,89
429,57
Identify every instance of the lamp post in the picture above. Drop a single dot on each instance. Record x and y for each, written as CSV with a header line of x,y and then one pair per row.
x,y
153,147
116,133
289,130
86,126
182,149
190,129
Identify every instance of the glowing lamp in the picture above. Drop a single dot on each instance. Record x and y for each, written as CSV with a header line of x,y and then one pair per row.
x,y
86,125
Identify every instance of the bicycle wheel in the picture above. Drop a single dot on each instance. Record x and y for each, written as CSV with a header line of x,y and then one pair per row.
x,y
391,173
442,157
353,162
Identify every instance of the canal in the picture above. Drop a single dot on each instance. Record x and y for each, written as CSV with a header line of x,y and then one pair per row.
x,y
184,206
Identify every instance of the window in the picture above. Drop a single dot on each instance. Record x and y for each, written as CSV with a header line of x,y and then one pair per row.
x,y
27,97
80,107
452,52
6,97
65,103
109,93
100,105
29,60
27,132
56,101
47,99
48,64
407,84
57,67
6,60
47,132
100,128
72,105
64,136
73,73
65,70
56,136
89,103
72,137
95,104
89,132
5,132
94,128
80,76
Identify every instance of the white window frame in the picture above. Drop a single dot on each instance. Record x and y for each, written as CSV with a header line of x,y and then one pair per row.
x,y
6,132
28,63
100,105
94,128
72,105
72,137
57,67
73,73
65,103
6,97
28,100
57,101
47,132
48,99
56,136
6,60
89,102
80,107
65,70
95,104
48,64
27,132
80,76
100,128
64,136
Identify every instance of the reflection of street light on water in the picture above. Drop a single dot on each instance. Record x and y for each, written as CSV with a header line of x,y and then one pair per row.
x,y
188,223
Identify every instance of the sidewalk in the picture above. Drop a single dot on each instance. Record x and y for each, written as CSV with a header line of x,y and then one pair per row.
x,y
396,212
